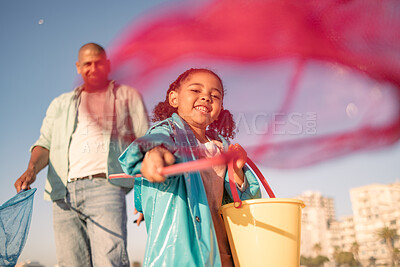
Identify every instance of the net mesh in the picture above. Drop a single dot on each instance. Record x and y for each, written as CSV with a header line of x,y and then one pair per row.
x,y
15,218
332,63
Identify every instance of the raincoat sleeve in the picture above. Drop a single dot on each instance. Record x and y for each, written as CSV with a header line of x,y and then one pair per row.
x,y
252,191
131,159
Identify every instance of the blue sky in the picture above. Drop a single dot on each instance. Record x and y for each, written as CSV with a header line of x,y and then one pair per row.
x,y
38,50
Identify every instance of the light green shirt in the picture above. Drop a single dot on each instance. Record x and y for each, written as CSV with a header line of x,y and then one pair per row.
x,y
128,120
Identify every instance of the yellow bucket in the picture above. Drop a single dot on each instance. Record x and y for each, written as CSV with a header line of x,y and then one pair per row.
x,y
264,232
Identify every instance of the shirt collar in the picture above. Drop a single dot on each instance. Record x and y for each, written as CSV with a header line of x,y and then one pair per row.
x,y
78,90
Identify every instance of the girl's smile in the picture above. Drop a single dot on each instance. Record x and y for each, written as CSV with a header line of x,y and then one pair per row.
x,y
202,109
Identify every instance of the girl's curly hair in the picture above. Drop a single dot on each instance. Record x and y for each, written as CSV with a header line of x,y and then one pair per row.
x,y
224,124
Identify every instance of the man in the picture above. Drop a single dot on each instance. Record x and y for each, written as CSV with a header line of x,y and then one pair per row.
x,y
82,135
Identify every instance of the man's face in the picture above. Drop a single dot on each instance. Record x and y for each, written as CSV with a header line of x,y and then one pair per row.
x,y
94,68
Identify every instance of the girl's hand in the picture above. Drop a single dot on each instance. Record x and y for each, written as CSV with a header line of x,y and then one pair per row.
x,y
238,162
140,218
241,156
153,163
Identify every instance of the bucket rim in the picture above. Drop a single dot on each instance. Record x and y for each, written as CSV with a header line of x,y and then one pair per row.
x,y
265,200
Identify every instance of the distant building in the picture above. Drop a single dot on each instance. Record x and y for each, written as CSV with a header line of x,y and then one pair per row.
x,y
317,216
375,206
342,236
335,240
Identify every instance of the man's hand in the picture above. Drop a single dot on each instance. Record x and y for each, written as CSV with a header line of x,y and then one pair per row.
x,y
39,159
153,163
26,179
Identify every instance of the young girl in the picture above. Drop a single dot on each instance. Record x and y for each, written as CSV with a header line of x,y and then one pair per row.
x,y
181,211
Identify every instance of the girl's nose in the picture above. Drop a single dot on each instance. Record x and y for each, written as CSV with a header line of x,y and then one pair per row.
x,y
206,98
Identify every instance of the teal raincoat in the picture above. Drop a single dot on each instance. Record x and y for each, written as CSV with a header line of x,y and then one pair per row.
x,y
177,216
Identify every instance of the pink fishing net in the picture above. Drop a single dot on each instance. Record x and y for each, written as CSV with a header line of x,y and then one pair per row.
x,y
307,80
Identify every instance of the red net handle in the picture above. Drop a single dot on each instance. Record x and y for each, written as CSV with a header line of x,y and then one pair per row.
x,y
222,159
237,201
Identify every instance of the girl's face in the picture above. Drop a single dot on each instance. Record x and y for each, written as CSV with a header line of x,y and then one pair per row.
x,y
198,99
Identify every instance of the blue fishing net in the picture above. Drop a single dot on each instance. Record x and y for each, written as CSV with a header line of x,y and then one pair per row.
x,y
15,218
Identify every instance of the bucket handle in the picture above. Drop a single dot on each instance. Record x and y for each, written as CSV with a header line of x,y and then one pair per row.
x,y
237,201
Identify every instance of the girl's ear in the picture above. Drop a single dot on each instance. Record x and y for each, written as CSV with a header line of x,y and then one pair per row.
x,y
173,99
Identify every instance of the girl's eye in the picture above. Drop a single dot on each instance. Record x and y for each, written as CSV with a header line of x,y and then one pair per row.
x,y
195,90
215,96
